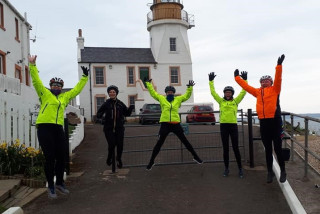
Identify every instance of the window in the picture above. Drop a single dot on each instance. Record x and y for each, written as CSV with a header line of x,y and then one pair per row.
x,y
132,100
1,17
99,102
144,73
174,75
26,71
130,76
2,62
99,75
173,46
17,73
17,29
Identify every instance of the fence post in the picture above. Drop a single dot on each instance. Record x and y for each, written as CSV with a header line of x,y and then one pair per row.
x,y
306,135
250,138
66,135
292,133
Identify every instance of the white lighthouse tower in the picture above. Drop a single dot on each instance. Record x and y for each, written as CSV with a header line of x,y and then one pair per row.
x,y
168,24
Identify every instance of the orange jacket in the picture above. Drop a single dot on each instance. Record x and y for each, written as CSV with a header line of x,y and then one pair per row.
x,y
267,105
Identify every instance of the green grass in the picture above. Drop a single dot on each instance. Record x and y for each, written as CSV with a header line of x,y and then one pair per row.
x,y
2,209
70,129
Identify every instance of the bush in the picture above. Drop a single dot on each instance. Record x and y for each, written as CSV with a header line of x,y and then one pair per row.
x,y
19,159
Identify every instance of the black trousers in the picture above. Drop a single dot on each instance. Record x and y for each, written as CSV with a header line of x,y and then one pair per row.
x,y
271,129
230,129
165,129
52,141
115,139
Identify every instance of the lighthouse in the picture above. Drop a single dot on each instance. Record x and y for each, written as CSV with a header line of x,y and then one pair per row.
x,y
168,26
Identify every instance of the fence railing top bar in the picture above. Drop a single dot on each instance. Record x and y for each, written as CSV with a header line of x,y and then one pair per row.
x,y
305,117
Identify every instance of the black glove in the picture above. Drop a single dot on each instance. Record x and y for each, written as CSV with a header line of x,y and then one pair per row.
x,y
191,83
236,73
244,75
131,107
280,59
147,80
85,71
211,76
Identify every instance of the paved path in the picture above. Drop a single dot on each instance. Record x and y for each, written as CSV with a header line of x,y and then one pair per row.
x,y
174,189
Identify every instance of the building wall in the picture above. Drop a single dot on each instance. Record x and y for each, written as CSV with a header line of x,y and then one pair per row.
x,y
19,49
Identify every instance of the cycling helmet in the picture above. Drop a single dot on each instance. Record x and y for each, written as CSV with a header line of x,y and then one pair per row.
x,y
266,77
56,80
113,87
170,88
228,88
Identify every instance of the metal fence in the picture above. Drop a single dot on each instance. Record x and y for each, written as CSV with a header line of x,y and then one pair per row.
x,y
139,141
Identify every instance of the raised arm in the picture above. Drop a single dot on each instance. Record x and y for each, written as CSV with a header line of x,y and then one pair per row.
x,y
151,90
278,75
243,83
36,81
212,89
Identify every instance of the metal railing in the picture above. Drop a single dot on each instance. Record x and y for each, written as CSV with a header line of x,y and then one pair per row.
x,y
289,135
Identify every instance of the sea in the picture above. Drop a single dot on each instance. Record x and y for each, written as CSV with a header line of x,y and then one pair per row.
x,y
314,127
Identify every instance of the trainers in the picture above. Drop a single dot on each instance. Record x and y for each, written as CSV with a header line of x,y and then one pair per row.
x,y
150,165
52,193
62,189
283,177
240,173
226,173
198,160
270,177
119,163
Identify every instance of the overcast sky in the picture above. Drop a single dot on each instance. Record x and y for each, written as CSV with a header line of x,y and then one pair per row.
x,y
248,34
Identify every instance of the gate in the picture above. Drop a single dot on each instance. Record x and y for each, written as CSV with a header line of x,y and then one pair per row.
x,y
205,138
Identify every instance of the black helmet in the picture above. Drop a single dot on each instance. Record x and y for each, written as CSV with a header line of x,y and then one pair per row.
x,y
229,88
113,87
170,88
266,77
56,80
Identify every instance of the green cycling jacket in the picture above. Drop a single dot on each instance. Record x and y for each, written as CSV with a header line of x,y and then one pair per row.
x,y
228,108
52,107
169,110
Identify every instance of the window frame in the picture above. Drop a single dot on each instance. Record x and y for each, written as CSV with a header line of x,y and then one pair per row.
x,y
95,84
27,76
133,76
96,101
17,29
173,44
178,75
19,69
2,17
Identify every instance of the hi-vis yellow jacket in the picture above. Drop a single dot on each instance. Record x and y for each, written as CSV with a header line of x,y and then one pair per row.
x,y
169,110
52,107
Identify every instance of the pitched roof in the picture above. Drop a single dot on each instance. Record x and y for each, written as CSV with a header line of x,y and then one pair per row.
x,y
116,55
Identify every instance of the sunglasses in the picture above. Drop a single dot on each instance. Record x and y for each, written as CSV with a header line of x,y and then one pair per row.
x,y
56,85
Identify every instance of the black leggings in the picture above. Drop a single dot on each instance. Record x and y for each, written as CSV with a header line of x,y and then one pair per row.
x,y
165,129
230,129
52,141
271,132
115,139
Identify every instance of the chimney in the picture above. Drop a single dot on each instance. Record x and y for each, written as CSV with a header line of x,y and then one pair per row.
x,y
80,41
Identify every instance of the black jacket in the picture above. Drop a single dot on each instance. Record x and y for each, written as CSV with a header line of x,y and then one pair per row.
x,y
115,112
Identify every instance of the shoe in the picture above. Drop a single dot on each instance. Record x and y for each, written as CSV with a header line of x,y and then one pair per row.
x,y
119,163
109,160
198,160
226,173
240,173
150,165
62,189
283,177
52,193
270,177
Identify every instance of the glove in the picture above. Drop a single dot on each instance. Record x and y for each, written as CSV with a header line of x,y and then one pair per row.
x,y
147,80
211,76
131,107
244,75
236,73
191,83
280,59
85,71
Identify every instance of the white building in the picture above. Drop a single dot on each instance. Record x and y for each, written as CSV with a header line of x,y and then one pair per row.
x,y
166,62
